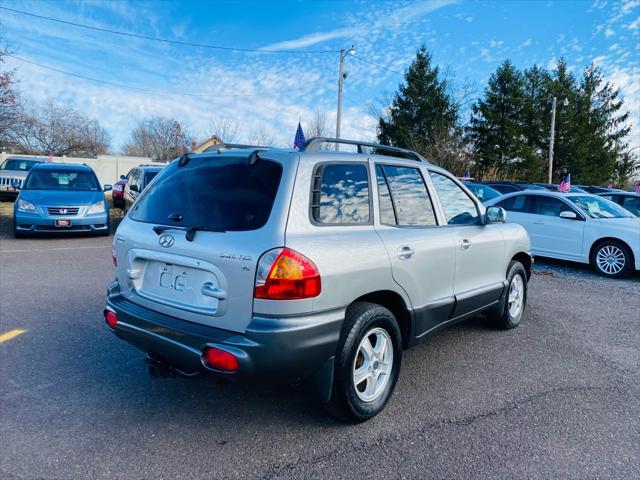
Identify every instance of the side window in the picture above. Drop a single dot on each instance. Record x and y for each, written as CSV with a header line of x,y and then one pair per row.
x,y
517,203
610,198
341,194
411,202
548,206
387,216
632,204
504,188
458,206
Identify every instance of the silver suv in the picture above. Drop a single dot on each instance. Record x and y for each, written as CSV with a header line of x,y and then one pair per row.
x,y
316,265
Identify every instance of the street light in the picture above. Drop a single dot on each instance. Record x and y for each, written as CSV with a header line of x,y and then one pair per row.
x,y
565,103
341,76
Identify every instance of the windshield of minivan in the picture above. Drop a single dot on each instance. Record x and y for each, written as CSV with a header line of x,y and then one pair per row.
x,y
224,194
18,164
597,207
63,179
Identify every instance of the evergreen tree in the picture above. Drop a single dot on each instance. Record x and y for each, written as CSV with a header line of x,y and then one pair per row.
x,y
535,124
495,127
422,114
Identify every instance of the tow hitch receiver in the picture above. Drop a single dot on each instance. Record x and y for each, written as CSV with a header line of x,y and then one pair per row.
x,y
161,369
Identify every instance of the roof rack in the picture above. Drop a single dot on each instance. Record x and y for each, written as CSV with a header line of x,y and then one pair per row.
x,y
313,145
232,146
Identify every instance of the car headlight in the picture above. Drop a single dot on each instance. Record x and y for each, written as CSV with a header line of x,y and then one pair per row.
x,y
97,207
25,206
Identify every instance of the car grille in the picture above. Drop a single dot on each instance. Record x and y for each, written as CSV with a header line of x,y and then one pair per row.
x,y
63,210
8,181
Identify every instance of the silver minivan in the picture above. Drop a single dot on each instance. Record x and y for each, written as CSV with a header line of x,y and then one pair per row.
x,y
314,265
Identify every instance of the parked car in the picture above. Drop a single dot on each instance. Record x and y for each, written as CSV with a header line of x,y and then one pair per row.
x,y
316,265
553,187
137,180
482,191
61,198
596,190
117,195
629,201
507,186
13,171
578,227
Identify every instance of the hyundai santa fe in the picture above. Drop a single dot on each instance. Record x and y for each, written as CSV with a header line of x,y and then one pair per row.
x,y
316,265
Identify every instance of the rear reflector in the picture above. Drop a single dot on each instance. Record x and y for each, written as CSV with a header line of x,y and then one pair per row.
x,y
284,274
110,318
219,360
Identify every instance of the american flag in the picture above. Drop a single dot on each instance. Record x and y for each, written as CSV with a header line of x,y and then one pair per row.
x,y
610,184
638,188
298,142
565,184
466,176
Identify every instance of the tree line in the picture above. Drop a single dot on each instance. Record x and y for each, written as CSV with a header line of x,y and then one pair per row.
x,y
508,128
505,133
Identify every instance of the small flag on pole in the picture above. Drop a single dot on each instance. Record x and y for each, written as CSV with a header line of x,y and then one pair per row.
x,y
466,176
565,184
610,184
638,188
298,142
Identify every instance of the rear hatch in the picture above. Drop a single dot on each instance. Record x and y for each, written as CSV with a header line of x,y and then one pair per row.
x,y
190,245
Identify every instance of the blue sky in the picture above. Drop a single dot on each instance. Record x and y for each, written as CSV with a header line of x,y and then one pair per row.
x,y
268,92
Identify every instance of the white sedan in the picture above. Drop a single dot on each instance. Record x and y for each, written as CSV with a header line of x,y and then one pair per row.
x,y
578,227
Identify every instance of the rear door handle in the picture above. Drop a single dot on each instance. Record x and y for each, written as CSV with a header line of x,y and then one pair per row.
x,y
465,244
405,252
210,290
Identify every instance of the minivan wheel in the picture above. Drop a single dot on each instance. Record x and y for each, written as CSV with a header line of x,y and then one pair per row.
x,y
508,313
367,362
611,259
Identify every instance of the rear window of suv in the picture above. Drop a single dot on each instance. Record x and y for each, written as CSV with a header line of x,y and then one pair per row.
x,y
225,194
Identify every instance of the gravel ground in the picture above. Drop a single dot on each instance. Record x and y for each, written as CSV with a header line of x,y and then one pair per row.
x,y
557,397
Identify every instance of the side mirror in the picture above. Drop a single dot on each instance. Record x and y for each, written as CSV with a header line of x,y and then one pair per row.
x,y
107,187
495,215
569,215
134,188
123,177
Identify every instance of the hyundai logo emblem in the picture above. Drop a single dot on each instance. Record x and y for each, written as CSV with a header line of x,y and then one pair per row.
x,y
166,240
63,211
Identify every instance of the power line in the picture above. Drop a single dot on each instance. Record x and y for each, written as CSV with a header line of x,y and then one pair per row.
x,y
378,65
143,90
165,40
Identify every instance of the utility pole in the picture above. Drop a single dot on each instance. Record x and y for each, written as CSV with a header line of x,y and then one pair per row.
x,y
551,139
341,76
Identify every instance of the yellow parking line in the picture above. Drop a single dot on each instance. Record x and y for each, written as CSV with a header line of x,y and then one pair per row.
x,y
11,334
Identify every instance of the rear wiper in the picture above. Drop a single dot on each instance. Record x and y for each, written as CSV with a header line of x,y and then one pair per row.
x,y
191,231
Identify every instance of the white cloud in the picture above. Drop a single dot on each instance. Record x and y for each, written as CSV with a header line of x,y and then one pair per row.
x,y
527,42
609,32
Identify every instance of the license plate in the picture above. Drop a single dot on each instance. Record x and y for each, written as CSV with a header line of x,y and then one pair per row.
x,y
63,223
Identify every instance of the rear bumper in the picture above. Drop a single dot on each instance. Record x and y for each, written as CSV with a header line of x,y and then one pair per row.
x,y
273,350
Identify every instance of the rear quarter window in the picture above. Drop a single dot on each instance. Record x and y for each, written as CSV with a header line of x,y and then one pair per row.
x,y
341,194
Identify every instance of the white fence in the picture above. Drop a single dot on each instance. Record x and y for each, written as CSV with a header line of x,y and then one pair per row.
x,y
107,167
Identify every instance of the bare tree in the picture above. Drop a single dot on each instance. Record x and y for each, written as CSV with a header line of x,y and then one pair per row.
x,y
159,138
9,100
262,138
223,128
56,129
318,125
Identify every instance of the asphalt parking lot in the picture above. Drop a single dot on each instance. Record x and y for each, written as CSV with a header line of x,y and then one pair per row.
x,y
559,397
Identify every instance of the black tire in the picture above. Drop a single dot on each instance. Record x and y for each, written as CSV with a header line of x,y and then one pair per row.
x,y
362,318
501,315
614,246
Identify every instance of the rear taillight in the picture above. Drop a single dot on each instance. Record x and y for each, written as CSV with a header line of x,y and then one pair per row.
x,y
284,274
219,359
110,318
